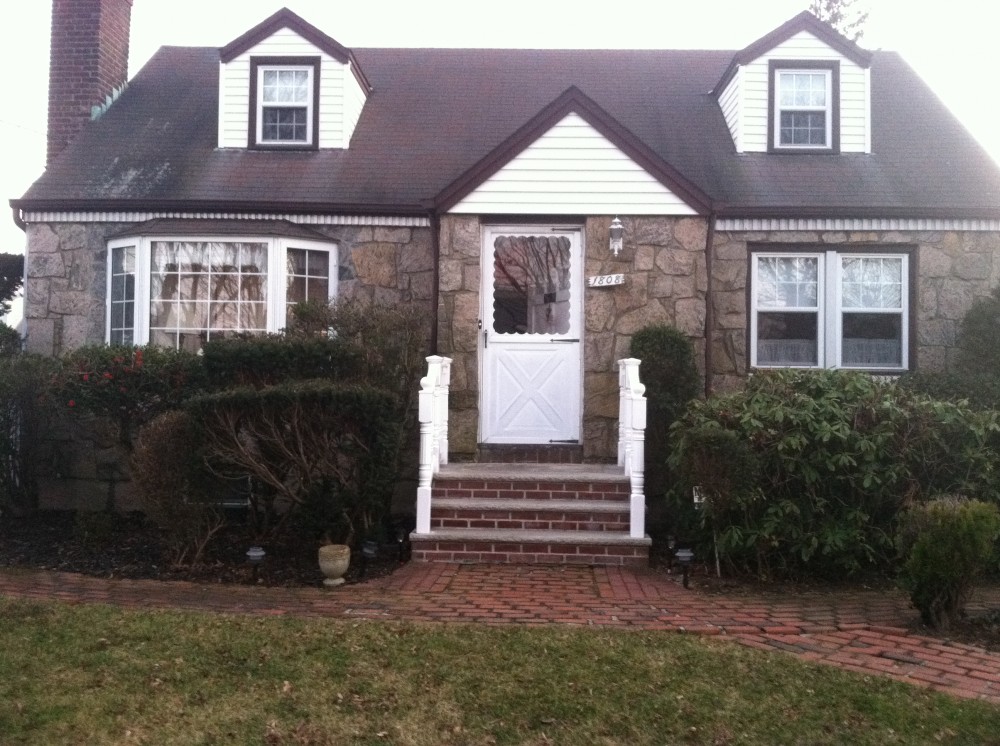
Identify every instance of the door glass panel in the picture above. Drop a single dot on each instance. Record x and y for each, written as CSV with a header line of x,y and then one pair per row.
x,y
531,285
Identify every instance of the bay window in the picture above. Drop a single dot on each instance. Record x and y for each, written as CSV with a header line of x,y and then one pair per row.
x,y
829,309
181,291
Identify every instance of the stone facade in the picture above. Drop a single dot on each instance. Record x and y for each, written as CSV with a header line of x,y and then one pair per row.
x,y
65,291
665,282
953,268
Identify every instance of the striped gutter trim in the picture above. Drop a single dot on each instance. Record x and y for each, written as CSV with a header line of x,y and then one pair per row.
x,y
857,224
394,221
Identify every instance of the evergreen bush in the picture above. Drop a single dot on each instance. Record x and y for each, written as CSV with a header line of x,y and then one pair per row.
x,y
671,378
945,544
804,472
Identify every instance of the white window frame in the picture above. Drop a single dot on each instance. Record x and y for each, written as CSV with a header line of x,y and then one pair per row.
x,y
779,109
310,139
277,248
830,310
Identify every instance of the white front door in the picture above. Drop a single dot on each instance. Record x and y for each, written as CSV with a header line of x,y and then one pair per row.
x,y
531,390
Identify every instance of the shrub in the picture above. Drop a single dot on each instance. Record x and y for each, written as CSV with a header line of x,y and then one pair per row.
x,y
127,386
23,380
312,443
978,342
671,378
176,491
980,390
945,544
265,360
830,458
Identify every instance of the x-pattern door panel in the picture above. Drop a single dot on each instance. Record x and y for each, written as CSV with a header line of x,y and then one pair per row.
x,y
532,367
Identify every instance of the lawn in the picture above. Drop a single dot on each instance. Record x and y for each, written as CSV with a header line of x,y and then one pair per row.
x,y
93,674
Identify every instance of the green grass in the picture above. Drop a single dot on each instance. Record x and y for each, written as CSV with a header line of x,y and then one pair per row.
x,y
95,675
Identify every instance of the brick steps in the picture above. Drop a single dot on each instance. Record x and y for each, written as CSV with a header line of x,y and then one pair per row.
x,y
546,515
530,513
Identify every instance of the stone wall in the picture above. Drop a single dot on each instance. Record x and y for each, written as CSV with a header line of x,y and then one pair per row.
x,y
663,261
953,269
66,271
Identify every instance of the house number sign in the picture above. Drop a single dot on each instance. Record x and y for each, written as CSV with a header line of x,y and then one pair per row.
x,y
602,281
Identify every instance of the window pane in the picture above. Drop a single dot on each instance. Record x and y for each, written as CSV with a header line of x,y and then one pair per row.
x,y
317,289
296,292
872,282
531,284
284,124
206,295
872,340
803,128
787,282
787,338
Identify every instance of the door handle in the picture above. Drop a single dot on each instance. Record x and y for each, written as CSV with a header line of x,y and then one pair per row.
x,y
563,341
486,338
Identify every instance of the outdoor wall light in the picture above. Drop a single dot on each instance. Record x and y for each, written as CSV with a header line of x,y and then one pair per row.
x,y
617,232
684,556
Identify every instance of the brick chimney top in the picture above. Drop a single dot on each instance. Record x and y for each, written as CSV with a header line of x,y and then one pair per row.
x,y
88,62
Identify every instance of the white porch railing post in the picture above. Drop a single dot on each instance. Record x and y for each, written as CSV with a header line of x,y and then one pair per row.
x,y
632,441
432,413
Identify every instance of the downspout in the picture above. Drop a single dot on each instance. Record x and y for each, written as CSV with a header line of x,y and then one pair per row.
x,y
709,304
18,220
435,277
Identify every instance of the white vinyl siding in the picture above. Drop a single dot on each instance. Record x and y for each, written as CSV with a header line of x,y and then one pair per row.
x,y
337,113
747,119
572,170
732,108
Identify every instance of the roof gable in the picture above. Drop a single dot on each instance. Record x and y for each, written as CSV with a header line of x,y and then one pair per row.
x,y
285,18
573,101
804,21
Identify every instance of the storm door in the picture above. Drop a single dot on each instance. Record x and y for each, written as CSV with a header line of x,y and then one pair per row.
x,y
531,327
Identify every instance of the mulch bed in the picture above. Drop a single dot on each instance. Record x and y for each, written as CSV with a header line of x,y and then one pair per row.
x,y
127,546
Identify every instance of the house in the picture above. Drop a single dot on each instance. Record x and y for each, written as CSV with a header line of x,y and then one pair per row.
x,y
799,202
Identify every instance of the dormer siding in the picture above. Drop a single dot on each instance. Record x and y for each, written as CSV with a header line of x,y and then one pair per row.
x,y
340,95
746,106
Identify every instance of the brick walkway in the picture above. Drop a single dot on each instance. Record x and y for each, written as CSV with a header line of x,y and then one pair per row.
x,y
862,631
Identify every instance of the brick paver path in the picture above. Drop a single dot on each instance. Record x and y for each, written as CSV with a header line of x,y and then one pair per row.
x,y
862,631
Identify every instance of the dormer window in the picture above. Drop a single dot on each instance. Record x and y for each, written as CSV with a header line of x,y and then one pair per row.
x,y
283,99
805,106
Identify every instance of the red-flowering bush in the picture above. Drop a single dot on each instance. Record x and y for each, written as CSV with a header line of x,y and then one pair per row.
x,y
127,386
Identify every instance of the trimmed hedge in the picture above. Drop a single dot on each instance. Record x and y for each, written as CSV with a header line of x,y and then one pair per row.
x,y
264,360
322,450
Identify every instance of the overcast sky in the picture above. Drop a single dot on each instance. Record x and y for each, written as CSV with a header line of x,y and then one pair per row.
x,y
951,45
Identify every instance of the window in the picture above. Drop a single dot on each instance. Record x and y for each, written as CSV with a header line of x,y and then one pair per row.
x,y
830,309
283,99
805,106
180,292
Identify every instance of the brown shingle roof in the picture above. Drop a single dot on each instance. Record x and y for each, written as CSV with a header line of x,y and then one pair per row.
x,y
434,114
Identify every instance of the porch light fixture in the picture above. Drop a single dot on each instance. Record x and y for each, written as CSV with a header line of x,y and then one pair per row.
x,y
617,231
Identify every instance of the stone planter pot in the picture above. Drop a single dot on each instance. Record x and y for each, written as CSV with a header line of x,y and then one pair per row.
x,y
333,561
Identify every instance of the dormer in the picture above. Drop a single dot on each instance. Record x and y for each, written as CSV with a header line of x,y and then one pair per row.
x,y
803,88
285,85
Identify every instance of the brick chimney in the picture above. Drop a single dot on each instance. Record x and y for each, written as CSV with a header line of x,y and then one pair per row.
x,y
88,61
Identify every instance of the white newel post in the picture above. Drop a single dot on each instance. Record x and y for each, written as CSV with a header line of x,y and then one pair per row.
x,y
632,441
432,413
